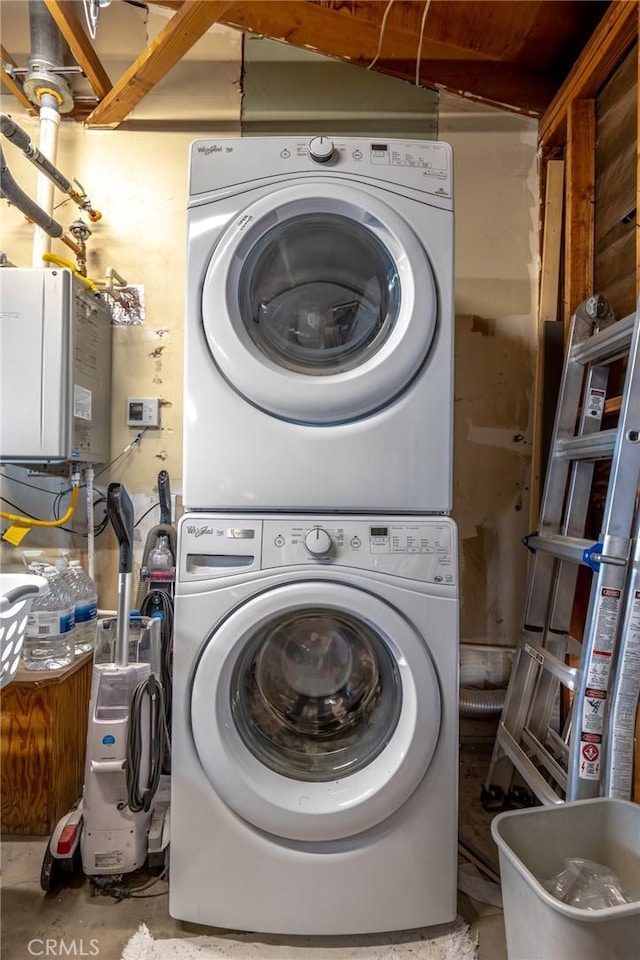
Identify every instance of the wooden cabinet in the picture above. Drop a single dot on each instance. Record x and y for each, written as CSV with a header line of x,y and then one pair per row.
x,y
44,731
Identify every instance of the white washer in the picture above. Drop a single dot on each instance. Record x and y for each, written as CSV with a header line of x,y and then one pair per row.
x,y
319,325
315,746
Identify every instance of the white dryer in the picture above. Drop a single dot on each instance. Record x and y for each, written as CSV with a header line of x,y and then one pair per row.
x,y
319,325
315,747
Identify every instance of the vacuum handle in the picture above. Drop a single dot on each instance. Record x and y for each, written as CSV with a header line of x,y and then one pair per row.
x,y
120,513
164,494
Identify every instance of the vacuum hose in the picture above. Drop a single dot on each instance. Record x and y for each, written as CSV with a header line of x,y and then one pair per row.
x,y
141,797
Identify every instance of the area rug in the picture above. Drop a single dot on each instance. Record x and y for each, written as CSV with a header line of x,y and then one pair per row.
x,y
449,942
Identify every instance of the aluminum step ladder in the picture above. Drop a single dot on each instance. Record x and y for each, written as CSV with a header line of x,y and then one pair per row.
x,y
566,762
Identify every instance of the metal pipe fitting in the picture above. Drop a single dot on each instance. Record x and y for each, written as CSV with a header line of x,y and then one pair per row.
x,y
46,58
10,190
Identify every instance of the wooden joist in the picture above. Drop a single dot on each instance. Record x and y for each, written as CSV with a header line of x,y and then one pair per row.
x,y
63,14
353,32
192,20
615,34
579,205
548,309
347,34
11,85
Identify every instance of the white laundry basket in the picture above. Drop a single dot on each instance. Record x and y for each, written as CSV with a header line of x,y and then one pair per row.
x,y
533,845
17,593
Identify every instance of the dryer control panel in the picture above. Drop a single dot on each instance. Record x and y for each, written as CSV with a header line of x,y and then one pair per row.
x,y
423,165
424,550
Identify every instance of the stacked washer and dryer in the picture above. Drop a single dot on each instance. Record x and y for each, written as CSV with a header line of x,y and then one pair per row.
x,y
315,741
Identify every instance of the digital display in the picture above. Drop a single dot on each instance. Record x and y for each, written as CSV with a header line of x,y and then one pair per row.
x,y
135,411
379,146
379,531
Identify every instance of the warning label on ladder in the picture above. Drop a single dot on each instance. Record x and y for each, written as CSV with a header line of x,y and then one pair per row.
x,y
595,403
607,622
590,746
534,654
621,744
590,764
598,672
593,709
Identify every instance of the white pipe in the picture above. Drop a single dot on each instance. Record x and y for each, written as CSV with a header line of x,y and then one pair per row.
x,y
48,147
91,540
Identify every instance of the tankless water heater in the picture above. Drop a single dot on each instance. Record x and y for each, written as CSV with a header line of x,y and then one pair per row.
x,y
55,364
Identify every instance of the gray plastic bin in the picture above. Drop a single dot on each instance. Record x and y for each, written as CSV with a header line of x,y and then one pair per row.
x,y
534,844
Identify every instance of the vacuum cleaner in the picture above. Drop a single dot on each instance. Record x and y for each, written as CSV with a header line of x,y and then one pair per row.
x,y
119,826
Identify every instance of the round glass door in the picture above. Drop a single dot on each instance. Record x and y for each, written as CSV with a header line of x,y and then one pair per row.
x,y
319,307
319,294
315,710
316,694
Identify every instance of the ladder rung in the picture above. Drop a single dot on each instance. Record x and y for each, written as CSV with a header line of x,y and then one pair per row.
x,y
523,764
606,345
568,676
565,548
555,740
571,548
597,446
547,760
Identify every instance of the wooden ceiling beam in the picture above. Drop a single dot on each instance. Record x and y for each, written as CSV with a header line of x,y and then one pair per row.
x,y
65,18
12,85
503,85
614,35
191,21
339,32
477,36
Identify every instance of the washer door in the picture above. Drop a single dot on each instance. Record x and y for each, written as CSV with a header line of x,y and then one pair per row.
x,y
315,710
319,304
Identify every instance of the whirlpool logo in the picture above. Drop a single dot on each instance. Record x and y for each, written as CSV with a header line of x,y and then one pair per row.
x,y
207,151
203,531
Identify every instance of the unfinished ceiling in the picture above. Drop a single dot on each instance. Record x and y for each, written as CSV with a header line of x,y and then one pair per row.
x,y
512,53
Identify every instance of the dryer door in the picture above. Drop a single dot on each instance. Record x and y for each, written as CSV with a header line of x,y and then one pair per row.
x,y
319,303
315,710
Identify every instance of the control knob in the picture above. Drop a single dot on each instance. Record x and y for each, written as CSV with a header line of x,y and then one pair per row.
x,y
317,542
321,149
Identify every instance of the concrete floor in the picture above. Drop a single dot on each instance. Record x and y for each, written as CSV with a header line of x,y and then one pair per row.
x,y
78,924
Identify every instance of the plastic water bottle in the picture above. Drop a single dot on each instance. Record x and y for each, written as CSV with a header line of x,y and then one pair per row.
x,y
62,561
48,643
85,598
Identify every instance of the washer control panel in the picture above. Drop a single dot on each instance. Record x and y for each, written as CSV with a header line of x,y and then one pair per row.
x,y
424,550
419,549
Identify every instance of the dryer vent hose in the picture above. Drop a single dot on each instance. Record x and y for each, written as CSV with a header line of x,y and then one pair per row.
x,y
481,704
